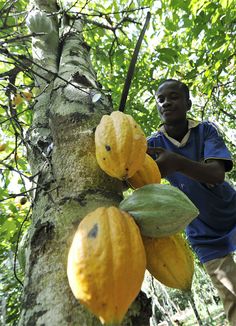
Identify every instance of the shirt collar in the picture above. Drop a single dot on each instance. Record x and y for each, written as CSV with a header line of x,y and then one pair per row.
x,y
191,124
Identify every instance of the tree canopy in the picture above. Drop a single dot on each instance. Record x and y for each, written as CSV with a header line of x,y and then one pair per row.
x,y
191,40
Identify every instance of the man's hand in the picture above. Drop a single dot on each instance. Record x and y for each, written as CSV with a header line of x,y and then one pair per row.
x,y
168,162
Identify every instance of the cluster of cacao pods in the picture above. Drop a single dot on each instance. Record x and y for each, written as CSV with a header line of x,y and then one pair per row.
x,y
120,145
113,246
121,150
162,211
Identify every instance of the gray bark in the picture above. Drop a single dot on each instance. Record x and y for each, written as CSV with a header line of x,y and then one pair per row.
x,y
69,182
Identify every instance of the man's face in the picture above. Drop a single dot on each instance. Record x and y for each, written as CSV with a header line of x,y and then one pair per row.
x,y
172,103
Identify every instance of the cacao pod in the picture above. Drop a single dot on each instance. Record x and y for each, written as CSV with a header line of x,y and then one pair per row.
x,y
120,145
159,209
106,263
149,173
17,100
170,261
27,96
23,200
3,147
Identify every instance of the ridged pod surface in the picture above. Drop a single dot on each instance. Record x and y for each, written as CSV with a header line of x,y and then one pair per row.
x,y
149,173
106,263
120,145
159,210
170,261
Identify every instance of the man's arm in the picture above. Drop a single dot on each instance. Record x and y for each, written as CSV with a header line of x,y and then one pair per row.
x,y
210,172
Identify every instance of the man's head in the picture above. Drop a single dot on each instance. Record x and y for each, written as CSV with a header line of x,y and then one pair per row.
x,y
173,101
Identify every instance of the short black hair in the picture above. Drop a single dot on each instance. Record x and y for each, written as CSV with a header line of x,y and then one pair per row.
x,y
182,86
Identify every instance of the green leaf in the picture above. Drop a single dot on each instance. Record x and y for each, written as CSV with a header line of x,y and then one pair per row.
x,y
167,55
8,227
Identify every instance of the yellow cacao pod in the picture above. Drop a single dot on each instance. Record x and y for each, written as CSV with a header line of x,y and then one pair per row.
x,y
17,99
120,145
106,263
170,261
3,147
27,96
149,173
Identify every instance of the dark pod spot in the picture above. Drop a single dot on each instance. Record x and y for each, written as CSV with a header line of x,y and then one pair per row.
x,y
108,148
93,232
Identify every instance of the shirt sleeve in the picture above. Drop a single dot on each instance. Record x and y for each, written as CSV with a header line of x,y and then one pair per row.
x,y
214,146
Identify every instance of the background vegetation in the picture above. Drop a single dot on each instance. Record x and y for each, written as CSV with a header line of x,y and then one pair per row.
x,y
191,40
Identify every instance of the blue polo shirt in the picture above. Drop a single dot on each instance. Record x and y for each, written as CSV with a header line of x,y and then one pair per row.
x,y
213,233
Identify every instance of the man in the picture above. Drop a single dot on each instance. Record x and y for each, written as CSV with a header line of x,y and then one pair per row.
x,y
193,157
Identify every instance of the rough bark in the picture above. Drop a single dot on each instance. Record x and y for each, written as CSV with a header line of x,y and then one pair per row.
x,y
69,181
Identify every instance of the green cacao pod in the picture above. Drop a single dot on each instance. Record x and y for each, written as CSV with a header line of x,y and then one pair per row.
x,y
120,145
160,210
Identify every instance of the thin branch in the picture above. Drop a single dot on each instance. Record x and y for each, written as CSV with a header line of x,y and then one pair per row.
x,y
5,51
93,22
12,196
11,168
110,27
231,116
55,75
20,37
101,14
17,245
17,115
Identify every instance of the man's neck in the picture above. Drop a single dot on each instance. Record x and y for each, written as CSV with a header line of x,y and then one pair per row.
x,y
177,130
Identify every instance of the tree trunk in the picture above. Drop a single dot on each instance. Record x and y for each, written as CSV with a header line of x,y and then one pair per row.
x,y
69,182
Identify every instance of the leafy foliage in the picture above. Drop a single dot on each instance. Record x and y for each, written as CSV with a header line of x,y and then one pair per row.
x,y
192,40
